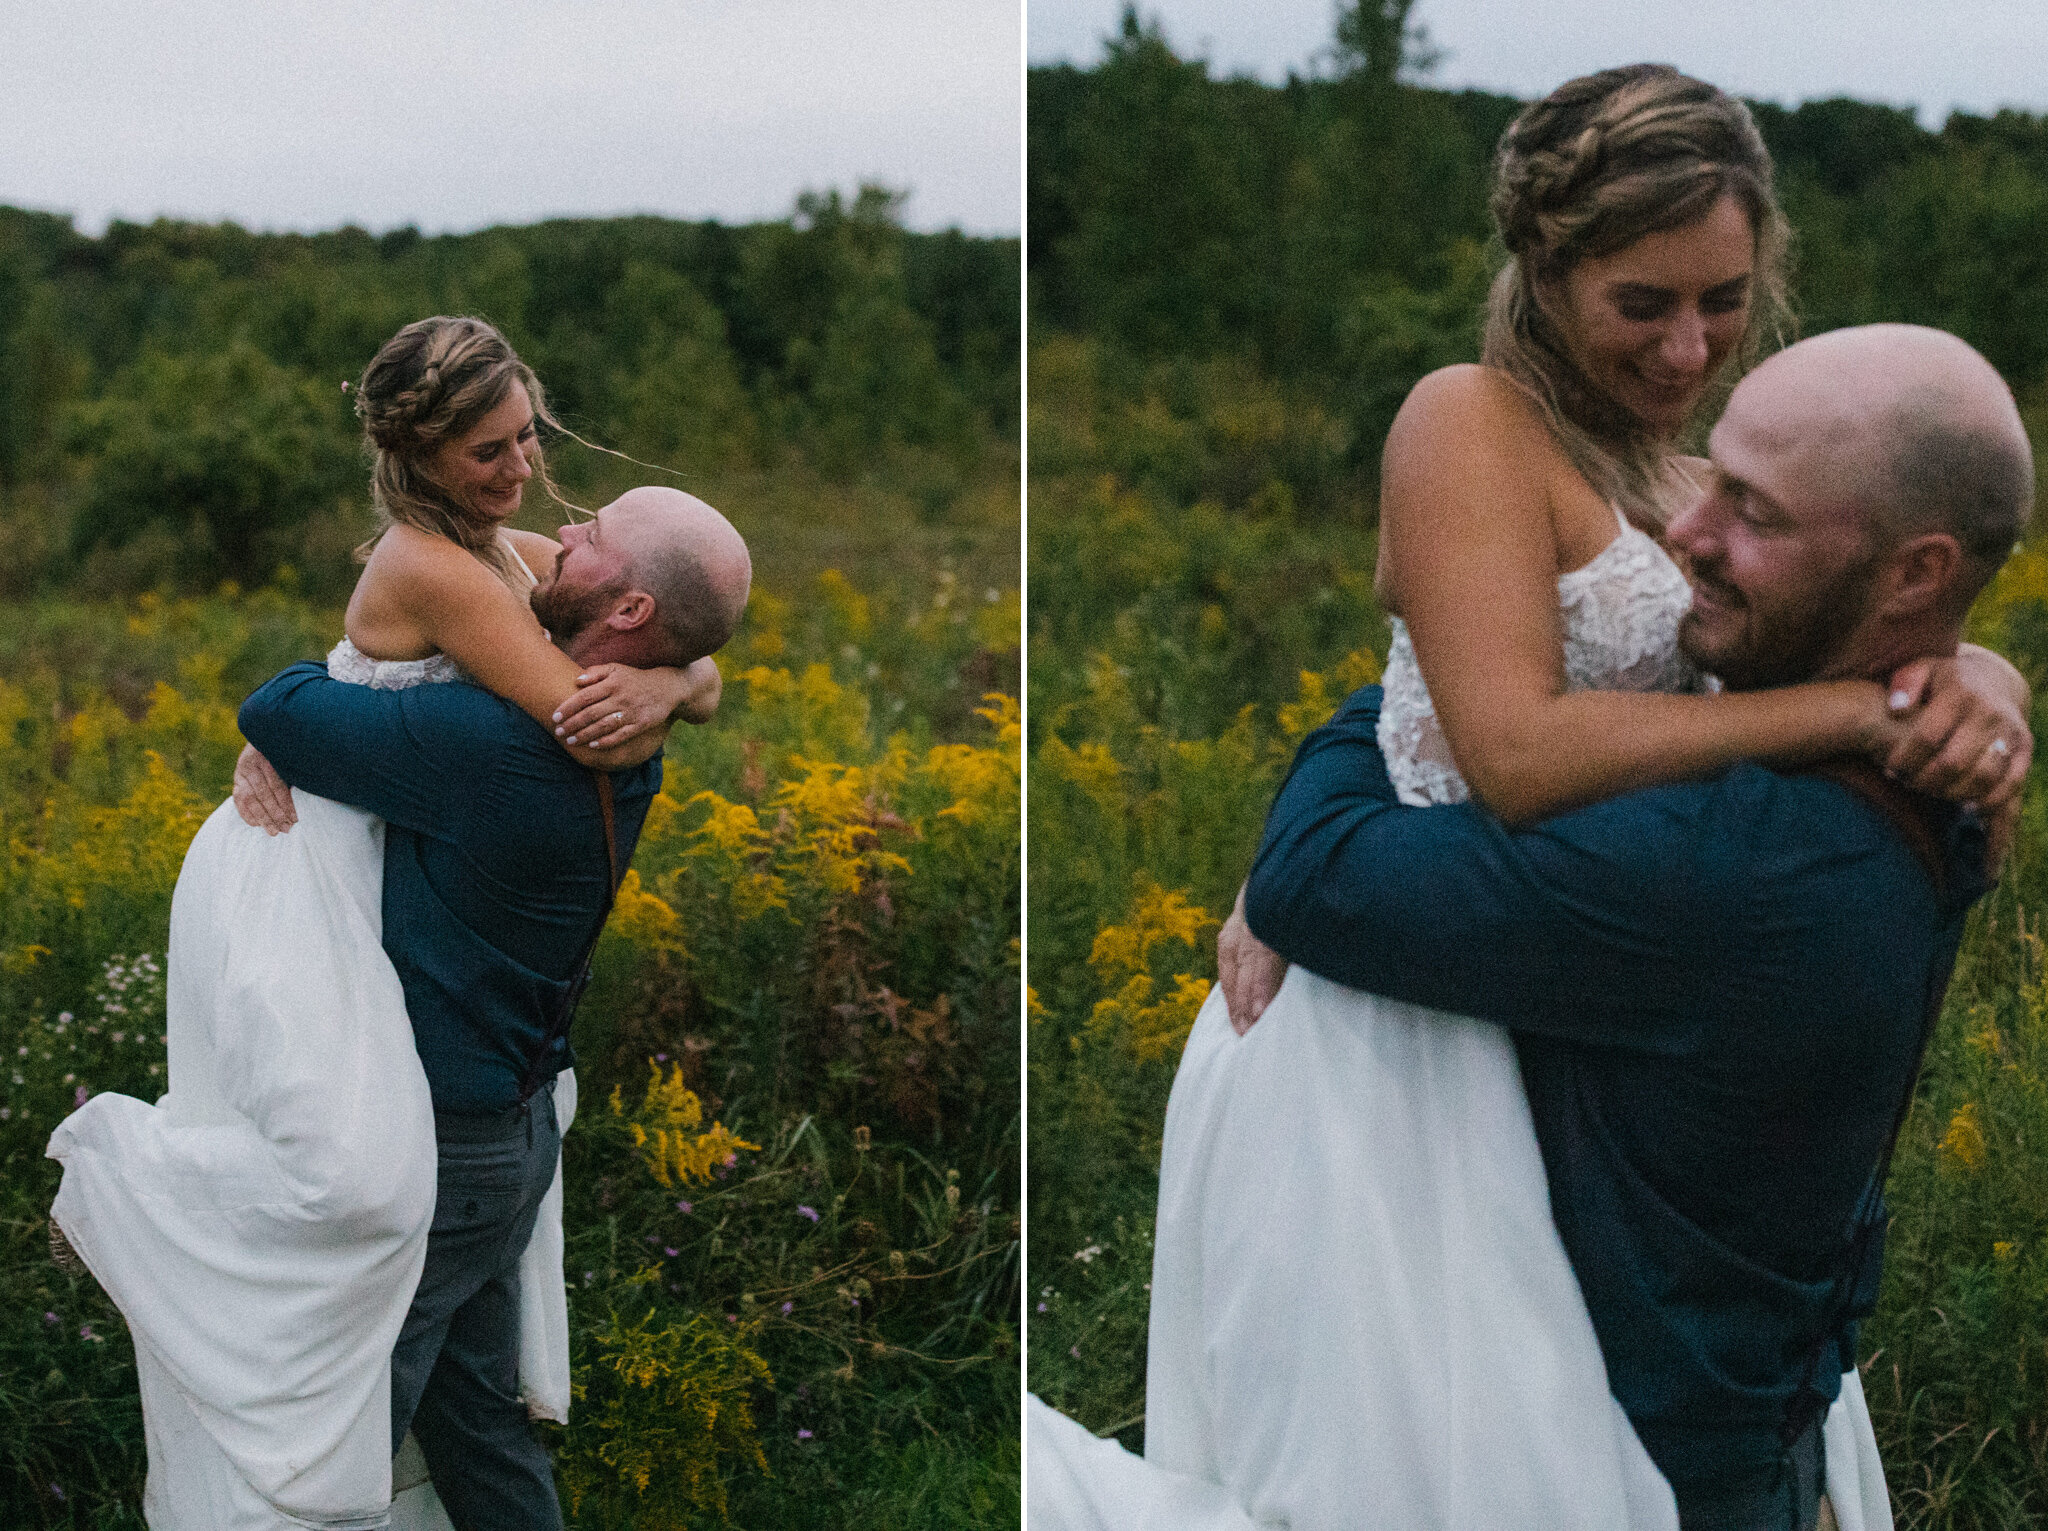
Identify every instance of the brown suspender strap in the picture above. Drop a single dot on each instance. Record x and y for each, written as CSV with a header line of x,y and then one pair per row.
x,y
537,1072
611,839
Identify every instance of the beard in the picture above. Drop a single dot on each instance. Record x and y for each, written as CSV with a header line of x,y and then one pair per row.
x,y
567,612
1783,646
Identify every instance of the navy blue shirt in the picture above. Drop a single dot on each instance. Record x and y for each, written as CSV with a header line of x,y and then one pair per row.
x,y
494,857
1717,991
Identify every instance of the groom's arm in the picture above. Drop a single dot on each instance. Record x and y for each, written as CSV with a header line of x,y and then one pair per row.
x,y
403,755
1584,926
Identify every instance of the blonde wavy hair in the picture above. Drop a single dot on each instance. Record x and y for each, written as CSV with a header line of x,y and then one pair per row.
x,y
1597,164
428,385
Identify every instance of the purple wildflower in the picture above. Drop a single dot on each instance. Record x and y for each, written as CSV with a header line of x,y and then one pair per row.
x,y
789,1307
1041,1307
809,1212
78,1096
803,1435
665,1249
50,1318
682,1206
661,1057
1074,1351
58,1490
85,1332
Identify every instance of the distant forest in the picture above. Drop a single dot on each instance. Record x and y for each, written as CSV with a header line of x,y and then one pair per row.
x,y
171,411
1331,233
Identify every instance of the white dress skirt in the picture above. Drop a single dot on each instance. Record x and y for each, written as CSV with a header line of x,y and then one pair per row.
x,y
263,1225
1362,1316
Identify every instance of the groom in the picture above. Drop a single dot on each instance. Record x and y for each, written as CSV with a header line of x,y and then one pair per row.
x,y
496,878
1720,990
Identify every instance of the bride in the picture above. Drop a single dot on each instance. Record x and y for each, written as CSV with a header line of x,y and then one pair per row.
x,y
263,1226
1422,1357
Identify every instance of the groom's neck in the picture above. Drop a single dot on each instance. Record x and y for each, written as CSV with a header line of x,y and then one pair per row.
x,y
1879,655
600,644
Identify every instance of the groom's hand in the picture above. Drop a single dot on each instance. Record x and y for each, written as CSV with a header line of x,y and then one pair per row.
x,y
261,796
1250,971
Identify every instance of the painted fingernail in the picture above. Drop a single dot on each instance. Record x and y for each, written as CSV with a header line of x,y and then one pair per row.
x,y
1901,700
558,733
558,717
572,738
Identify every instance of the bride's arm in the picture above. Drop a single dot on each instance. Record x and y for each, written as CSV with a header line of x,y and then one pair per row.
x,y
451,603
1469,558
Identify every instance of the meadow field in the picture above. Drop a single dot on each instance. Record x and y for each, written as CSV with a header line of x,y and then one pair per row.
x,y
1233,286
793,1210
1177,656
792,1196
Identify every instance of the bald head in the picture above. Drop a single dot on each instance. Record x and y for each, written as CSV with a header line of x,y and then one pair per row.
x,y
1868,483
657,578
1917,429
689,559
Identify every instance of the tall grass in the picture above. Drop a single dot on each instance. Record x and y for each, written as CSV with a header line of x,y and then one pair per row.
x,y
1187,628
792,1207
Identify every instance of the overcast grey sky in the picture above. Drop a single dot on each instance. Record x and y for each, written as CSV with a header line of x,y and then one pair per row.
x,y
455,114
1934,54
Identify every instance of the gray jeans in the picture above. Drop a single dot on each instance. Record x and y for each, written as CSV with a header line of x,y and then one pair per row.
x,y
455,1370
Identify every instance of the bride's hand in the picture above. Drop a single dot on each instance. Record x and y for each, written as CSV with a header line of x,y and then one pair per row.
x,y
1965,736
1250,971
613,702
261,796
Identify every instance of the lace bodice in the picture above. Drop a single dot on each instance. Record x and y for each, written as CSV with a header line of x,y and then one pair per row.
x,y
1621,614
347,662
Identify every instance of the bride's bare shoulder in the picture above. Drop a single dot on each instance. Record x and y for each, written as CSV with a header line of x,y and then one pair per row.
x,y
411,577
1470,405
1467,433
1468,465
408,562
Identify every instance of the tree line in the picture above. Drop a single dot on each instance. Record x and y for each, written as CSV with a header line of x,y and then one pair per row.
x,y
170,400
1332,231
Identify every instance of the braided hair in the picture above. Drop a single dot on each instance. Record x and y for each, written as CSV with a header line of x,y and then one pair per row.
x,y
1597,164
428,385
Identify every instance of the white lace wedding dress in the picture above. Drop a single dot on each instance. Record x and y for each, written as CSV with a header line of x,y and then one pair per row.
x,y
1361,1315
263,1225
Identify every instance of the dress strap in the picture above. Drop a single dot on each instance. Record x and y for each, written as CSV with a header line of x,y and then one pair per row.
x,y
518,563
